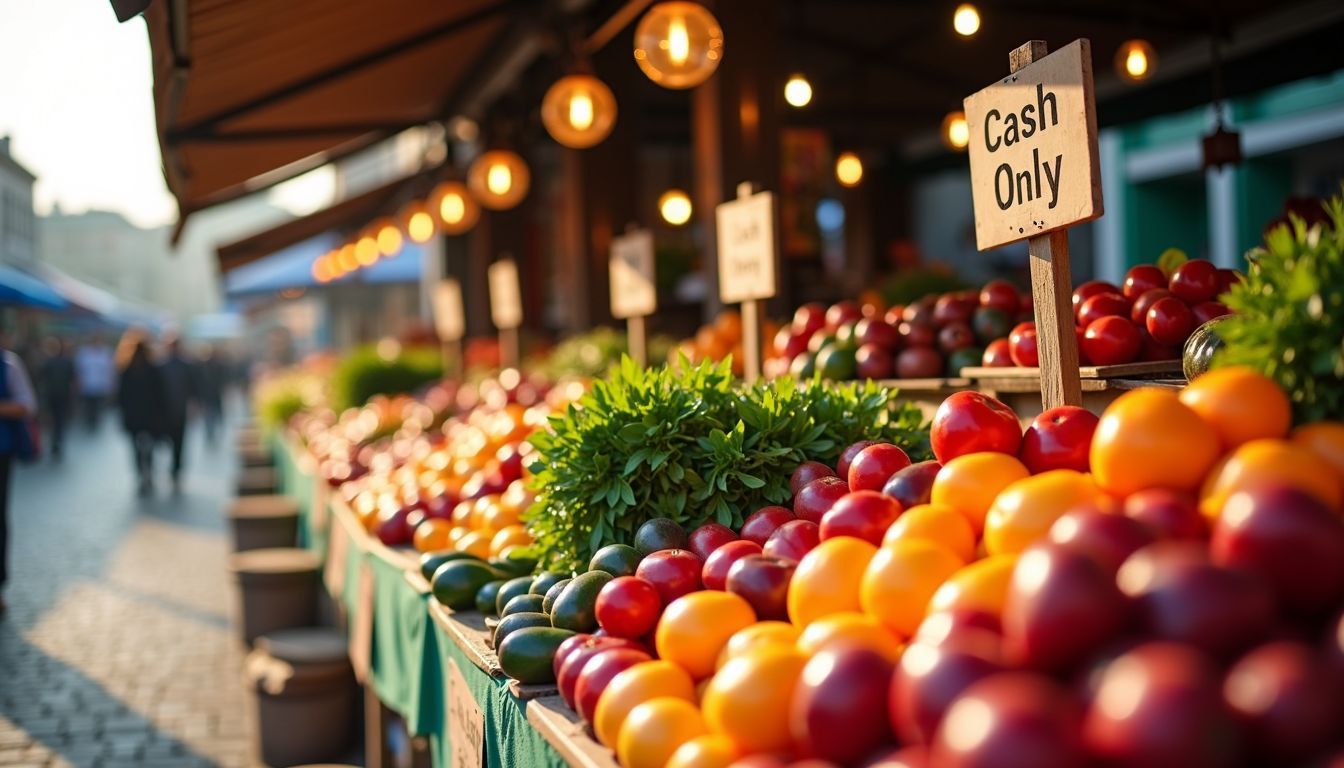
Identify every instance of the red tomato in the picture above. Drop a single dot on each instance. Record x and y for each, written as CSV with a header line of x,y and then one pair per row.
x,y
1089,289
793,540
874,465
917,334
628,606
1102,305
1228,278
598,673
842,312
1207,310
998,354
1141,279
1001,295
809,319
709,537
1059,438
760,524
674,572
1111,341
817,496
919,363
578,657
1022,345
1170,321
847,456
862,514
1195,281
971,422
715,573
1139,312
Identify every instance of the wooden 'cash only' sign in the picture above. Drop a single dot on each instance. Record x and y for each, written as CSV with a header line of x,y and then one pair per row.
x,y
634,291
747,254
1035,171
506,308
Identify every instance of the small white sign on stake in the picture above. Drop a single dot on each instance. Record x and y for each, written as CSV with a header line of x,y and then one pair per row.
x,y
746,239
1033,149
448,315
506,302
633,288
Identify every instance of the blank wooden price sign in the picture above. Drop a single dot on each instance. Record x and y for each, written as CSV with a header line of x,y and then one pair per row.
x,y
746,239
449,320
466,723
1035,171
634,293
506,308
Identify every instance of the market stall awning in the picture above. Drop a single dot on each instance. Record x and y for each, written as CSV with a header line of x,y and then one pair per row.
x,y
77,294
252,92
18,288
293,268
351,212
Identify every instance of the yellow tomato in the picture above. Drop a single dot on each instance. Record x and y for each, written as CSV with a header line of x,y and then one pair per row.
x,y
1148,438
509,536
1326,440
939,524
708,751
827,579
759,634
854,629
431,534
475,543
655,729
1270,462
695,628
643,682
980,586
969,483
1024,511
747,702
901,579
1240,404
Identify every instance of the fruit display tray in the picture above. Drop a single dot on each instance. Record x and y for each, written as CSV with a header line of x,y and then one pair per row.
x,y
564,731
469,630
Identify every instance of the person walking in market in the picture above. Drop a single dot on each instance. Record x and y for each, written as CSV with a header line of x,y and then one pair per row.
x,y
211,378
18,407
179,387
140,396
56,383
96,372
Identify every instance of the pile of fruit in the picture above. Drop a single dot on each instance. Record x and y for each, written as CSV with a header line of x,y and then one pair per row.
x,y
1160,586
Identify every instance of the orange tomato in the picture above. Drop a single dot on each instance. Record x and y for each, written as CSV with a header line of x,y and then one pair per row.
x,y
708,751
728,325
747,702
1148,438
969,483
856,629
509,536
1270,462
1326,440
481,509
499,516
457,532
939,524
1024,511
655,729
827,579
760,634
696,627
901,579
474,542
980,586
643,682
462,514
432,533
1240,404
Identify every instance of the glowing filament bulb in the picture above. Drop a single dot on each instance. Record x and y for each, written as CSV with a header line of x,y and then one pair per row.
x,y
499,179
581,111
678,41
1136,63
452,208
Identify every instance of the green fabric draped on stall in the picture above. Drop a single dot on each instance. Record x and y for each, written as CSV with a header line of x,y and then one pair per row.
x,y
404,665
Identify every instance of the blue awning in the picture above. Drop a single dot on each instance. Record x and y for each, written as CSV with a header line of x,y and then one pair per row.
x,y
22,289
292,267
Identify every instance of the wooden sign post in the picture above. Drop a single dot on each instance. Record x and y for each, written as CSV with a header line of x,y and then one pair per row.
x,y
506,309
450,323
747,255
1035,171
634,293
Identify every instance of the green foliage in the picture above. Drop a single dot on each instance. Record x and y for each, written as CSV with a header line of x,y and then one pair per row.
x,y
689,444
1290,321
373,370
593,353
277,397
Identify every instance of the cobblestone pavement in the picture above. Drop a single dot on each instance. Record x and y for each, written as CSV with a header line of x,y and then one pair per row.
x,y
117,649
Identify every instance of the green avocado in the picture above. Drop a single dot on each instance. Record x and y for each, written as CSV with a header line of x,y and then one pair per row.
x,y
526,654
553,593
516,621
617,559
511,589
528,603
544,581
575,608
456,582
430,561
485,596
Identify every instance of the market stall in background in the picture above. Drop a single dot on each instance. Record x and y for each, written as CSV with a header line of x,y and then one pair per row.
x,y
747,383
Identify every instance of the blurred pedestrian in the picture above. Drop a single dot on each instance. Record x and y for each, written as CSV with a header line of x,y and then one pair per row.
x,y
18,406
56,384
179,380
140,395
96,373
212,375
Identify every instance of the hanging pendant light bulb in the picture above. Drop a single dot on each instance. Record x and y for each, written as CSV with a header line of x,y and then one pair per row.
x,y
1135,60
348,257
966,20
848,169
322,271
366,248
388,237
678,44
675,207
417,222
956,134
453,207
798,91
498,179
578,111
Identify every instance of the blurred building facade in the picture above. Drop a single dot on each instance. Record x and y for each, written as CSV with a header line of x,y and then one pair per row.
x,y
18,225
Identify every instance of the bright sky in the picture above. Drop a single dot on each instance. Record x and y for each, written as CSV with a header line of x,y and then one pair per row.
x,y
76,98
